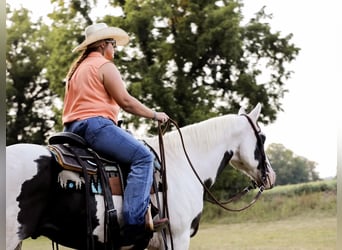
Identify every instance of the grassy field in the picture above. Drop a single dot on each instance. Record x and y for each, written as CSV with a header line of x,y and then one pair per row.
x,y
299,233
293,217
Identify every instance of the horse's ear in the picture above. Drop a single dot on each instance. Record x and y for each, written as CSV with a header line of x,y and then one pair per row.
x,y
242,111
254,114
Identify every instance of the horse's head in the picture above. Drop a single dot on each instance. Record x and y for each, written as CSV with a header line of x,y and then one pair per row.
x,y
249,156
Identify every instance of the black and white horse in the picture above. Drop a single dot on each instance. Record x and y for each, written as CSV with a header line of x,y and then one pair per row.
x,y
29,180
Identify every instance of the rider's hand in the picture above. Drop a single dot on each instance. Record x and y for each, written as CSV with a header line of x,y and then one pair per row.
x,y
161,116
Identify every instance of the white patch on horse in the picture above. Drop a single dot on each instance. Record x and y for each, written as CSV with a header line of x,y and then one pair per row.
x,y
100,214
65,175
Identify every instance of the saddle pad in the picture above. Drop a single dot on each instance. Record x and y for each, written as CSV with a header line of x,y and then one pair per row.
x,y
65,155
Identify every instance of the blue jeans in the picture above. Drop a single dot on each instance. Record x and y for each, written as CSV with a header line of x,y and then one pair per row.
x,y
106,138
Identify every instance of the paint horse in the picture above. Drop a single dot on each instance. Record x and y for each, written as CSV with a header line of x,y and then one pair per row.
x,y
30,179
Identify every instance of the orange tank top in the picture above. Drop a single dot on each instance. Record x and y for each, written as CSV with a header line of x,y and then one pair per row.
x,y
85,94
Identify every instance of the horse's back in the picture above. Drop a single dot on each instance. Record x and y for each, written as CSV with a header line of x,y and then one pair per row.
x,y
24,151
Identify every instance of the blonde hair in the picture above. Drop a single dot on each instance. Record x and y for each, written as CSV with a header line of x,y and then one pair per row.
x,y
90,48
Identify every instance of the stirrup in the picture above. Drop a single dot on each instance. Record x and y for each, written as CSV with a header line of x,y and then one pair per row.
x,y
160,224
148,219
154,225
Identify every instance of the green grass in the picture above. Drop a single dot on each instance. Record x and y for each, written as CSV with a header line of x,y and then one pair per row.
x,y
42,243
297,233
297,217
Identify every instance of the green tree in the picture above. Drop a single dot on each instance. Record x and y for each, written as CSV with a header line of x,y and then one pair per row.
x,y
192,59
38,57
60,41
195,59
29,117
64,36
290,168
228,183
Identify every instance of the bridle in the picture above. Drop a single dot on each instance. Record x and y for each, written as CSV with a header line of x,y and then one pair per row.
x,y
260,146
210,197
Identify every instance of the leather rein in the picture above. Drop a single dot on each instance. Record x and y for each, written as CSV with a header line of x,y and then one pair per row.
x,y
211,197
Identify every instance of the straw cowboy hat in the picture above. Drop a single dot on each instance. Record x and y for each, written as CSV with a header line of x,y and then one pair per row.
x,y
100,31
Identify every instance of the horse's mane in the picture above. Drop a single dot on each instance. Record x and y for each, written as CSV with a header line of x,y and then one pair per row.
x,y
201,134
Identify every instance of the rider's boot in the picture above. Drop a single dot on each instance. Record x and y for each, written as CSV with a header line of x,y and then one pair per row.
x,y
138,236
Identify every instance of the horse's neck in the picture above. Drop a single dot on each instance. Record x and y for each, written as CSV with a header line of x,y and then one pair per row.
x,y
205,142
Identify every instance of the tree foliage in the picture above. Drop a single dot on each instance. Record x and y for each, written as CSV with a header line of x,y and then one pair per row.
x,y
192,59
229,183
65,36
290,168
29,117
195,59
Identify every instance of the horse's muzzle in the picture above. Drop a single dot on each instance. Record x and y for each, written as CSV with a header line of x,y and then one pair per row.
x,y
270,178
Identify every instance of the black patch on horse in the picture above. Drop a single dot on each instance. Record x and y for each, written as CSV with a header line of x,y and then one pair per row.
x,y
224,162
65,220
32,200
195,224
48,209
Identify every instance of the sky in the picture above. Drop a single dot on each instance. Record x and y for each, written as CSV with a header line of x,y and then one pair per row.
x,y
308,125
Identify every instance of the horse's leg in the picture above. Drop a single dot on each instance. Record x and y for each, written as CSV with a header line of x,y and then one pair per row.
x,y
182,242
156,243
